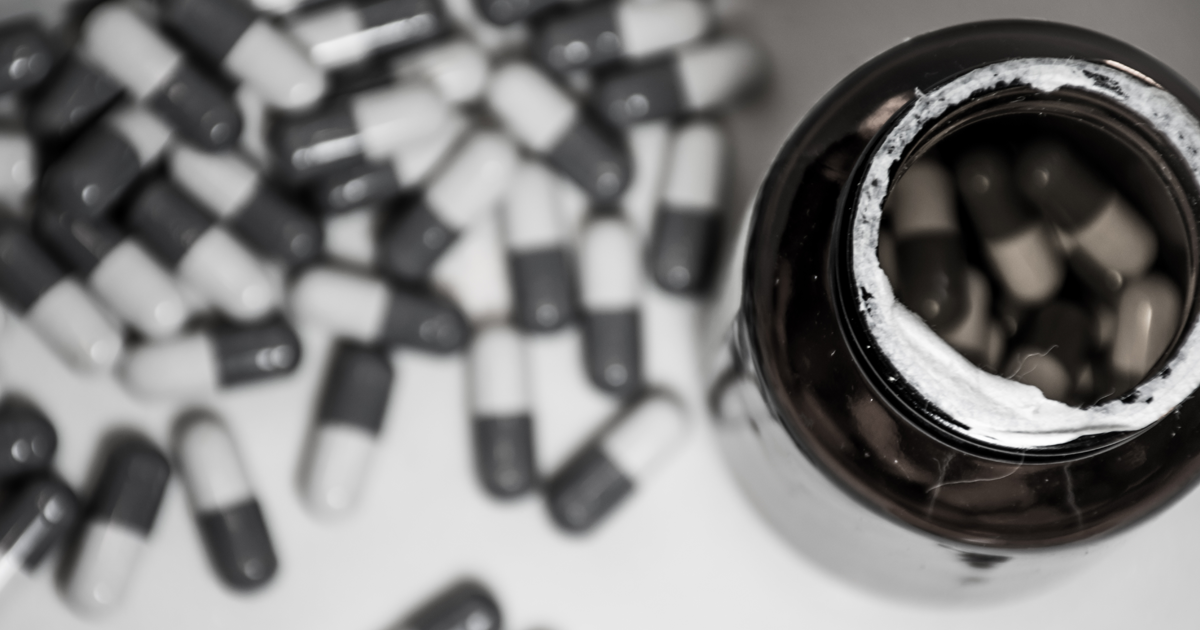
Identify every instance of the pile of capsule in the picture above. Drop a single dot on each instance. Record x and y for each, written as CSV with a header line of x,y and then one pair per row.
x,y
184,180
1073,300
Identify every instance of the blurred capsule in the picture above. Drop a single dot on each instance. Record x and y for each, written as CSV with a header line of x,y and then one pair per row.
x,y
18,167
346,33
457,69
696,79
97,169
1097,219
683,245
159,75
368,310
350,236
71,98
32,522
548,122
464,607
500,412
649,151
603,474
117,269
471,183
538,257
55,305
610,286
230,519
1147,320
25,54
27,439
595,34
120,516
350,414
204,255
1052,358
971,336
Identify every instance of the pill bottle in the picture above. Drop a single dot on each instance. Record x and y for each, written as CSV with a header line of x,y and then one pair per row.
x,y
864,443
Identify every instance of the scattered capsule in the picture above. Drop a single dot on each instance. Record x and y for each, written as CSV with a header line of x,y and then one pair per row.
x,y
231,188
928,245
600,33
230,519
347,33
120,517
369,125
548,122
25,54
472,181
27,439
159,75
971,336
18,167
203,254
542,278
1017,243
603,474
684,241
464,607
229,34
117,269
202,363
610,279
97,170
368,310
32,523
1093,215
457,69
500,410
1054,355
71,98
695,79
55,305
349,417
1148,315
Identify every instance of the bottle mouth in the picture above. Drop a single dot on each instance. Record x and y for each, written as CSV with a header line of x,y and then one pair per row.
x,y
1145,143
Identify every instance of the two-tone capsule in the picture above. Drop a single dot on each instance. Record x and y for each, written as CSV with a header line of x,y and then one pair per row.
x,y
599,33
502,423
71,98
203,254
32,523
550,123
18,167
472,182
25,55
231,35
120,517
466,606
157,74
1054,357
1148,314
202,363
55,305
684,240
538,258
346,33
349,417
227,512
27,439
604,473
610,292
117,269
368,310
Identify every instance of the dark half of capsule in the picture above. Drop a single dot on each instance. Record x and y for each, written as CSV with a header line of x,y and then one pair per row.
x,y
199,108
26,270
318,144
78,240
278,228
1069,194
612,350
93,173
636,94
682,250
583,38
504,454
428,322
986,183
594,159
586,490
543,289
933,279
467,606
246,354
505,12
210,27
239,545
26,55
27,439
71,98
167,221
132,485
411,241
37,518
357,186
357,388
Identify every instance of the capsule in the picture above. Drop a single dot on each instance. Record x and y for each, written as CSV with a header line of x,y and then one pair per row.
x,y
599,33
347,33
971,336
25,54
71,98
120,517
27,439
1091,213
650,150
350,236
1054,356
349,418
117,269
500,411
610,279
202,363
548,122
472,182
156,73
928,245
231,189
18,167
32,523
55,305
229,34
227,512
204,255
695,79
466,606
603,474
97,170
538,257
368,310
457,69
1017,243
368,125
683,244
1148,315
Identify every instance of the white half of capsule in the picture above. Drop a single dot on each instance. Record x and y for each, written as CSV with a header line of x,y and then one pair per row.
x,y
531,214
649,149
609,267
108,555
696,175
531,106
18,167
223,182
1027,263
127,48
272,65
67,319
923,201
711,75
458,69
337,465
1118,238
647,28
227,275
333,36
138,290
389,117
347,304
971,335
415,161
1147,318
254,113
148,135
350,236
473,180
180,368
278,7
499,384
494,39
645,437
211,468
